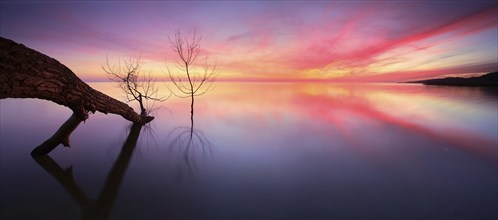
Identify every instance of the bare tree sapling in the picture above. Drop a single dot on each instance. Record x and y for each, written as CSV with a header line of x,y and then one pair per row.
x,y
191,76
136,85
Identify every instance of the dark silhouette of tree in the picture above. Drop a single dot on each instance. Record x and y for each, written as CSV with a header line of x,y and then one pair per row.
x,y
136,85
26,73
191,76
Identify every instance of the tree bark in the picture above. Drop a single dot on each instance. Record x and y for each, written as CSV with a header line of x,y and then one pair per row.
x,y
26,73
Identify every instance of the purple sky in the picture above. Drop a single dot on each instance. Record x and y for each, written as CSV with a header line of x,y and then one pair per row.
x,y
277,40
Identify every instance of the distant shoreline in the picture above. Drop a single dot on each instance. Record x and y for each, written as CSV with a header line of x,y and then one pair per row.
x,y
486,80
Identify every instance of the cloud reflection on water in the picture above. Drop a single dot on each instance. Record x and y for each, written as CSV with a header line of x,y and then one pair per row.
x,y
459,117
283,151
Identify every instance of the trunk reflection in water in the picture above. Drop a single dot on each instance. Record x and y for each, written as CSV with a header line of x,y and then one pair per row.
x,y
101,207
283,151
191,146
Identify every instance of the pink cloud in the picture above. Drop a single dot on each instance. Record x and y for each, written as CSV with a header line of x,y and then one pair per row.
x,y
324,50
354,38
401,76
257,39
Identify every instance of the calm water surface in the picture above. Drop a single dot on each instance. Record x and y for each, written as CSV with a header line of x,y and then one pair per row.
x,y
262,151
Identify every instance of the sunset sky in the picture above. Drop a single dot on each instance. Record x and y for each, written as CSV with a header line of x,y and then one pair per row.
x,y
381,41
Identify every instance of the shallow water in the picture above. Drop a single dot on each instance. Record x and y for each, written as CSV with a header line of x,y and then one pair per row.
x,y
262,151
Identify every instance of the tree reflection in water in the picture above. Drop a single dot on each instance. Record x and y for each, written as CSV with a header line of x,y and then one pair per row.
x,y
191,145
101,207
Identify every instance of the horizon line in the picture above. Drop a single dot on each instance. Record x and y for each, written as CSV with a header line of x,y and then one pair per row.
x,y
264,81
306,80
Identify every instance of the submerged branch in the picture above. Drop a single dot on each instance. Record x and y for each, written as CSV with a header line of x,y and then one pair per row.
x,y
61,136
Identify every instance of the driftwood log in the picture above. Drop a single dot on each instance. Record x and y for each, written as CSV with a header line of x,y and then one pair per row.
x,y
26,73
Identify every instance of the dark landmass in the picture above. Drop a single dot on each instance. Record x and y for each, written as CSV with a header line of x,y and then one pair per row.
x,y
489,79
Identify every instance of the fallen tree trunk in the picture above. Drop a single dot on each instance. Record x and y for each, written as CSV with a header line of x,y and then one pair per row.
x,y
26,73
